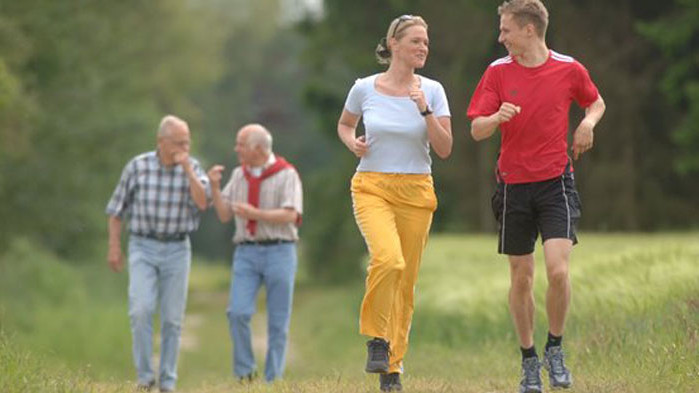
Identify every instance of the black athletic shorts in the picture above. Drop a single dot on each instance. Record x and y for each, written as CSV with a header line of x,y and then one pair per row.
x,y
550,207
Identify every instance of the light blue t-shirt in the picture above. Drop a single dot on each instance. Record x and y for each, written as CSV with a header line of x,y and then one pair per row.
x,y
395,131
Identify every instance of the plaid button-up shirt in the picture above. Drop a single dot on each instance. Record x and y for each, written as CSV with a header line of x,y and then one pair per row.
x,y
156,198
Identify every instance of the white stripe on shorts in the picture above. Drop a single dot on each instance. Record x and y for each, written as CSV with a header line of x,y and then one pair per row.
x,y
563,185
504,210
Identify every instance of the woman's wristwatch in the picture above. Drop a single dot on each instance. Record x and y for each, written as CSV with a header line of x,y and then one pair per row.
x,y
427,111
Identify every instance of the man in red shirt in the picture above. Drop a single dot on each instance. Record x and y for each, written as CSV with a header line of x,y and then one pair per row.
x,y
528,96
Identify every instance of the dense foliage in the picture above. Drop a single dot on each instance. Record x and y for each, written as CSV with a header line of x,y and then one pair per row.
x,y
84,83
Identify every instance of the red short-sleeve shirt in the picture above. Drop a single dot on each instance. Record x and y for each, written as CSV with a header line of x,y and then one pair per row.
x,y
534,142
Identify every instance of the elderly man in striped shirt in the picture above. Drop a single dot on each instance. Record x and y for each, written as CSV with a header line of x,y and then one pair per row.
x,y
265,198
161,193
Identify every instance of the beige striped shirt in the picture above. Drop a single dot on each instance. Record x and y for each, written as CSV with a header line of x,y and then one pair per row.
x,y
281,190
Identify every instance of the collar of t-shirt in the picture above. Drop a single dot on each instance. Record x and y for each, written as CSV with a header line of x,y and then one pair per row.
x,y
256,171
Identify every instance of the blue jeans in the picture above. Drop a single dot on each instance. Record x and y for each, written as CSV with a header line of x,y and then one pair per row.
x,y
255,265
157,270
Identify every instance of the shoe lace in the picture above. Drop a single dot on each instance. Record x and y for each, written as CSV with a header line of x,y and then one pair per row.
x,y
378,348
556,362
530,370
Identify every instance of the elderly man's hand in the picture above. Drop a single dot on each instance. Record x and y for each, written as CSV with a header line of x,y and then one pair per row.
x,y
115,258
246,210
181,158
215,174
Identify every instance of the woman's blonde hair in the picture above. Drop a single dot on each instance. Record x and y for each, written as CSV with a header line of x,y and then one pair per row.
x,y
396,30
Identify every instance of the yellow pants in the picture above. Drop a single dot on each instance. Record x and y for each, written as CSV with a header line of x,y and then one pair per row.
x,y
394,214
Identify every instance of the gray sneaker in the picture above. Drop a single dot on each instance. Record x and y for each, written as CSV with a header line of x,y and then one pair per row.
x,y
559,375
377,356
390,382
247,379
145,387
531,376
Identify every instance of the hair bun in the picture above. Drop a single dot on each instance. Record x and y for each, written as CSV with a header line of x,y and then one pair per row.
x,y
383,54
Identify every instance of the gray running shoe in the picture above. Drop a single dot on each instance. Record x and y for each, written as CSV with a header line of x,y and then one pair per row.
x,y
377,356
247,379
145,387
390,382
559,375
531,376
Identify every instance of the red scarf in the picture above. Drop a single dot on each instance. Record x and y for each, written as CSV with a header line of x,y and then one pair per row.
x,y
255,182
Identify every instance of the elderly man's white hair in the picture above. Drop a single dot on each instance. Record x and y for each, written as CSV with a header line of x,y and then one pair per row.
x,y
258,135
168,123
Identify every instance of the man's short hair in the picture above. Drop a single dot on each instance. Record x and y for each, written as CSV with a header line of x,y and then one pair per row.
x,y
258,135
525,12
167,123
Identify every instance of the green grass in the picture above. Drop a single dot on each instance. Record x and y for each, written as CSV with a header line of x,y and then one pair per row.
x,y
68,313
633,324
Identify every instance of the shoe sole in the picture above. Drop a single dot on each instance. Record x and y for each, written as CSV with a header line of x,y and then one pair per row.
x,y
376,370
560,387
554,386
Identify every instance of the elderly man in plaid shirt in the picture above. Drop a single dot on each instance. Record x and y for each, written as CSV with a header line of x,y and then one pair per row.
x,y
161,193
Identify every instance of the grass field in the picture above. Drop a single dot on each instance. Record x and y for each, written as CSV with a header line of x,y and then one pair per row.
x,y
633,325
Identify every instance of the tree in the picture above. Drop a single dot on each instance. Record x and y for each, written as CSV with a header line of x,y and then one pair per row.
x,y
677,35
86,83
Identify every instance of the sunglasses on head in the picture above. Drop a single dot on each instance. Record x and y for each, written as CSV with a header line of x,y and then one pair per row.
x,y
401,19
